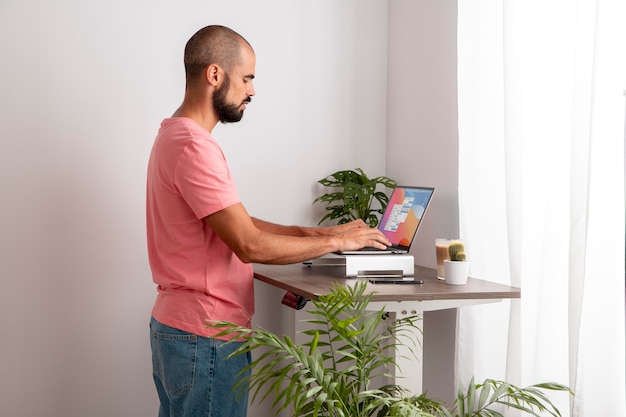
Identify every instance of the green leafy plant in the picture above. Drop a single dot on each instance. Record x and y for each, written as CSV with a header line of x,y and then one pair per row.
x,y
457,252
356,197
480,400
333,373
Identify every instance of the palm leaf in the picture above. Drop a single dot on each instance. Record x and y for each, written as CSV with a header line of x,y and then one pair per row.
x,y
530,400
331,375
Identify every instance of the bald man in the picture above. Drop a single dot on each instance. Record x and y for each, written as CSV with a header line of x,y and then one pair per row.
x,y
201,239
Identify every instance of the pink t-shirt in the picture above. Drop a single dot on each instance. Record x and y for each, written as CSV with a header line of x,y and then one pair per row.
x,y
198,276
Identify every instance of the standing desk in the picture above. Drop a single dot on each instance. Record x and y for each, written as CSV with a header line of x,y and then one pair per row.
x,y
401,300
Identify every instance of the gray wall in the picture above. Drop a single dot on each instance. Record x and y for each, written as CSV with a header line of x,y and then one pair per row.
x,y
84,87
422,149
422,129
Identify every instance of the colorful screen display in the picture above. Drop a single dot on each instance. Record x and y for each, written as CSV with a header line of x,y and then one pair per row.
x,y
404,214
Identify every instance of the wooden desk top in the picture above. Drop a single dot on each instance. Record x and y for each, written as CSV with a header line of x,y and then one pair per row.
x,y
312,281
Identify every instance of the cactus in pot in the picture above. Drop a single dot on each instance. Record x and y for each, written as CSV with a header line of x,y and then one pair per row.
x,y
457,267
457,252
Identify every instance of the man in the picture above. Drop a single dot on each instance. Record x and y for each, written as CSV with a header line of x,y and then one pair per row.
x,y
201,240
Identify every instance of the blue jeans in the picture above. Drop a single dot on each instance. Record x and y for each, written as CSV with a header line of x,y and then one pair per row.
x,y
192,375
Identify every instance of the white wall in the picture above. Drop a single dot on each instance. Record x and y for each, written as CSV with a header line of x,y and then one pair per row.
x,y
83,87
422,135
422,149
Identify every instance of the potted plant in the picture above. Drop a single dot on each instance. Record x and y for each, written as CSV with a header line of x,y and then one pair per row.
x,y
457,267
332,374
355,198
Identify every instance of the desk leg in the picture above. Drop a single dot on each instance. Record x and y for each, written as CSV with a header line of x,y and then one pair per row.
x,y
427,362
440,347
410,357
432,367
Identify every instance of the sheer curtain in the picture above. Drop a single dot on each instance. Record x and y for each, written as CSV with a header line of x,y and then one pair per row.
x,y
541,194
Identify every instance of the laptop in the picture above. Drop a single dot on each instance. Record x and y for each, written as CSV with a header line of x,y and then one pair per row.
x,y
401,220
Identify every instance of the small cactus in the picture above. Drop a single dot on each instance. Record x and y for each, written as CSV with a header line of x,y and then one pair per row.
x,y
457,252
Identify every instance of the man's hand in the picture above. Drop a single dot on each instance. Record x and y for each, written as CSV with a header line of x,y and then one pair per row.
x,y
342,228
358,237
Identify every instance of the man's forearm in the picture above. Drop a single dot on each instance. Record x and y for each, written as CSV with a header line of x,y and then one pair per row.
x,y
279,229
301,231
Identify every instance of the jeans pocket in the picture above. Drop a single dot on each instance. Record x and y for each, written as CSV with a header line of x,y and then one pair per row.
x,y
174,357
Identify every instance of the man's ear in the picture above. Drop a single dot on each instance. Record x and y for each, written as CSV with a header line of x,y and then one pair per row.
x,y
213,74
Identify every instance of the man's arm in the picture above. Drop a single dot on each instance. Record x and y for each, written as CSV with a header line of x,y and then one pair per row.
x,y
263,242
301,231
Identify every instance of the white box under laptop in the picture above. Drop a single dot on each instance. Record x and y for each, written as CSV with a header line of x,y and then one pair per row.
x,y
390,267
380,266
400,223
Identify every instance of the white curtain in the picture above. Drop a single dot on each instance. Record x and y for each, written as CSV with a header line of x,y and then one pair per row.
x,y
541,192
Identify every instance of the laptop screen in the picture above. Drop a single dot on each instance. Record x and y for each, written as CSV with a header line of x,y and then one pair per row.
x,y
404,214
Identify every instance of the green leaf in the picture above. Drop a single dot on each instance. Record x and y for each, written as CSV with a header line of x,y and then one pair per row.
x,y
313,344
332,373
355,198
484,395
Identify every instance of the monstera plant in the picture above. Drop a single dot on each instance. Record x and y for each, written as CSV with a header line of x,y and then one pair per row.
x,y
356,197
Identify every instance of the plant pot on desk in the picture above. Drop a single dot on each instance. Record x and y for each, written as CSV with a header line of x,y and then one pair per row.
x,y
456,272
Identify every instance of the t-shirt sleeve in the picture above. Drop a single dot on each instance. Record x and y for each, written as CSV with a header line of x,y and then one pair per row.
x,y
203,179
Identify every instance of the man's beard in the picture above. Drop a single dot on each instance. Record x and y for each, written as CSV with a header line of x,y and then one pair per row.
x,y
226,112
